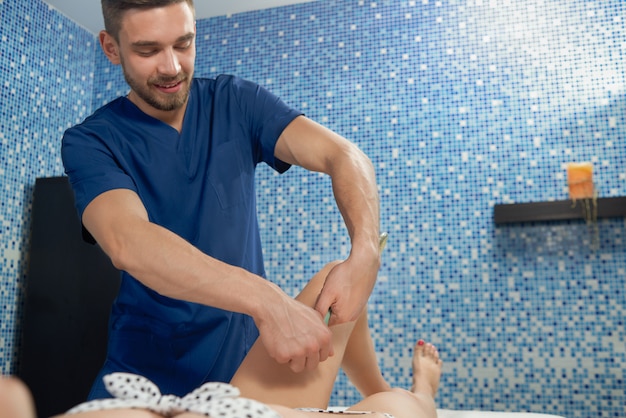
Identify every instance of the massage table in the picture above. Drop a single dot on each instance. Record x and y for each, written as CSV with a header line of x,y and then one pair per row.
x,y
448,413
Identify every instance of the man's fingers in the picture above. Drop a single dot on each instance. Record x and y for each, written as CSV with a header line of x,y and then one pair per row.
x,y
312,361
323,304
297,364
316,354
325,353
301,341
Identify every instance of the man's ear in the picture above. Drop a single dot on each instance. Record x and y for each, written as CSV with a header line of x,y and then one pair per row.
x,y
110,47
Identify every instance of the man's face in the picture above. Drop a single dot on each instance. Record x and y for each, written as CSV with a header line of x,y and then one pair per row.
x,y
157,52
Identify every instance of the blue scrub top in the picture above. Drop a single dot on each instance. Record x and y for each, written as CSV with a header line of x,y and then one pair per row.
x,y
198,184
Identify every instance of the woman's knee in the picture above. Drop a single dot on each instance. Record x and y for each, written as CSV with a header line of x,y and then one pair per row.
x,y
323,273
314,287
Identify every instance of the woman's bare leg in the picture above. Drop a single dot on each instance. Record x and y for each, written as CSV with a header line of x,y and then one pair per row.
x,y
419,402
360,362
261,378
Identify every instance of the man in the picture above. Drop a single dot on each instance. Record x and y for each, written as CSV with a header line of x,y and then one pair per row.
x,y
164,182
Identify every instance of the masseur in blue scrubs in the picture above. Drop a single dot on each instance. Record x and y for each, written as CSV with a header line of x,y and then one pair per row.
x,y
164,182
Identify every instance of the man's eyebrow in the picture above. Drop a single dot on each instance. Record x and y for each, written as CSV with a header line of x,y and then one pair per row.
x,y
187,37
141,44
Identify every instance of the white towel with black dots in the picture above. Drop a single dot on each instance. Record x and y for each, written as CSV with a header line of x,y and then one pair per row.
x,y
211,399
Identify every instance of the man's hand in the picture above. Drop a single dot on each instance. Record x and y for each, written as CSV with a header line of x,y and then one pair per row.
x,y
347,289
295,334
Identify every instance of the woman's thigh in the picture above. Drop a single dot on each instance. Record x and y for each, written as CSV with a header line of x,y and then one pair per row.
x,y
400,403
261,378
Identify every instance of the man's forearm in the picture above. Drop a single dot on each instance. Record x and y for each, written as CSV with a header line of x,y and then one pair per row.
x,y
167,263
356,194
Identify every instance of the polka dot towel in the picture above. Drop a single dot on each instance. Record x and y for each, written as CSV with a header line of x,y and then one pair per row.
x,y
218,400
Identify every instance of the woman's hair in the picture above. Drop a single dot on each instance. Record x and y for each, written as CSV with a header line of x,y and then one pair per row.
x,y
113,11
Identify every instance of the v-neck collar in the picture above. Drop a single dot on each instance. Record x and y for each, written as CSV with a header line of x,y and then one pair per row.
x,y
131,108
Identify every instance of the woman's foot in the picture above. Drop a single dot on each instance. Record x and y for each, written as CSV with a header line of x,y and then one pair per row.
x,y
426,368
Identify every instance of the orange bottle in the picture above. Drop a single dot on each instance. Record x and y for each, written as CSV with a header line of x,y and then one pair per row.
x,y
580,180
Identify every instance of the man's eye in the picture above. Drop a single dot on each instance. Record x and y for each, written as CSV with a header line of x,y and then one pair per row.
x,y
148,53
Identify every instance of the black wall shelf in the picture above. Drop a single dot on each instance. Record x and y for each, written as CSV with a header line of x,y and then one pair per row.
x,y
607,207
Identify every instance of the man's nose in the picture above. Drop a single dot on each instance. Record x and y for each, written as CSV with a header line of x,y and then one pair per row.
x,y
169,64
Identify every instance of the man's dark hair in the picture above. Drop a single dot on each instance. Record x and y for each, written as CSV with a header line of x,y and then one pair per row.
x,y
113,11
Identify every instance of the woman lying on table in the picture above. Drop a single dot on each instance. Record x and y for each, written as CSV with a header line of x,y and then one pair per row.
x,y
263,388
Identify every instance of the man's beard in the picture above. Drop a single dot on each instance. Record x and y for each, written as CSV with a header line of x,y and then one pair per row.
x,y
167,103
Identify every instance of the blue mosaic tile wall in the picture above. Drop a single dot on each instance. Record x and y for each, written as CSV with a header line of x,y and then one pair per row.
x,y
460,105
46,68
